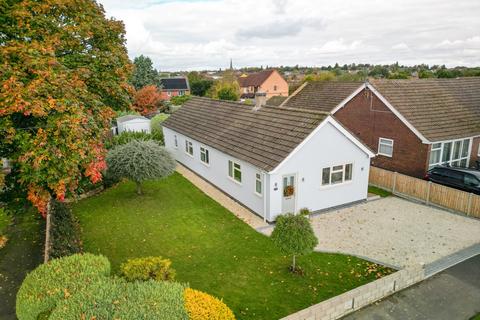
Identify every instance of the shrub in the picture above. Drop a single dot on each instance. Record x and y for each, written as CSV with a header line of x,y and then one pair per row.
x,y
294,235
53,282
304,211
127,136
65,231
156,122
202,306
143,269
118,299
140,161
180,100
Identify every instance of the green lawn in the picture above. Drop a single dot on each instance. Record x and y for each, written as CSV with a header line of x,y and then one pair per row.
x,y
378,191
211,249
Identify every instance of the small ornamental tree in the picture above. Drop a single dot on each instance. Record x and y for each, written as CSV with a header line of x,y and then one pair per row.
x,y
140,161
147,100
294,235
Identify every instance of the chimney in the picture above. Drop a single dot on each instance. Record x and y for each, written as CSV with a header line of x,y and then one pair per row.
x,y
260,100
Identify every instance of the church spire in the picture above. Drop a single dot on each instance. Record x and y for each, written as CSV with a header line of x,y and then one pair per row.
x,y
231,64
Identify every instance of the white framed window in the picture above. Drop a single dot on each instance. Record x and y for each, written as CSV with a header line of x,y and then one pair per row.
x,y
454,153
337,174
169,93
175,141
235,171
181,93
204,155
258,184
189,147
385,147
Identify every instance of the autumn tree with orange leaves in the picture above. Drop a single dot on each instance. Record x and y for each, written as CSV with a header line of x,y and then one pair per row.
x,y
63,70
147,100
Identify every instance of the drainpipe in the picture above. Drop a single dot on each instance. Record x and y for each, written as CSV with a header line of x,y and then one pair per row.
x,y
265,190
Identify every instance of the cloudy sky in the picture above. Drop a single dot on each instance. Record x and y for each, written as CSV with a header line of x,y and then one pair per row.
x,y
205,34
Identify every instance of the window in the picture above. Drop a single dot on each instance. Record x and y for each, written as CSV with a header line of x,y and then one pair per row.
x,y
453,153
204,155
175,140
337,174
275,88
385,147
169,93
181,93
235,171
258,184
189,147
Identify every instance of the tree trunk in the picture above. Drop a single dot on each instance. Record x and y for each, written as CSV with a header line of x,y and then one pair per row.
x,y
139,188
46,253
293,265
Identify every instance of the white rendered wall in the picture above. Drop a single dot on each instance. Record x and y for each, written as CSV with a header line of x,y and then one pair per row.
x,y
328,147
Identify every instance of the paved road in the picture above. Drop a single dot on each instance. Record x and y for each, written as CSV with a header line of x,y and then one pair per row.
x,y
450,295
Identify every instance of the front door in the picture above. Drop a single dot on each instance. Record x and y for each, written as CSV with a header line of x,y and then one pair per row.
x,y
288,193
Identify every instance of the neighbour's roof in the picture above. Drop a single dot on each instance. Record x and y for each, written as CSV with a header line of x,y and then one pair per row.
x,y
262,138
130,117
174,84
322,96
276,100
255,79
440,109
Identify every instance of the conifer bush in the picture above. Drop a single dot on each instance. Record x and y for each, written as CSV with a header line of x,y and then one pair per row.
x,y
143,269
202,306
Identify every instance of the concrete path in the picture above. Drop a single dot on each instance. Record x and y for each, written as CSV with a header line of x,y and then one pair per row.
x,y
453,294
216,194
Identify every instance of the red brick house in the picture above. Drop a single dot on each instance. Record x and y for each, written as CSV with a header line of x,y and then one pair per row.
x,y
411,125
269,82
172,87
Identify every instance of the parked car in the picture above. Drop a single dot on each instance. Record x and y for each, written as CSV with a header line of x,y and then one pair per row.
x,y
458,178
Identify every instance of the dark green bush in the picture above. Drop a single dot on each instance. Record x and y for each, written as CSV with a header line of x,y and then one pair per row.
x,y
58,280
118,299
65,231
127,136
155,268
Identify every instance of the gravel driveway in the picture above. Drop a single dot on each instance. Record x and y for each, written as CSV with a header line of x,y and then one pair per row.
x,y
394,231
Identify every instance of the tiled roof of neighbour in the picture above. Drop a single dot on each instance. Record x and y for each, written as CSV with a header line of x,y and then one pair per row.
x,y
254,79
440,109
174,83
262,138
322,96
276,100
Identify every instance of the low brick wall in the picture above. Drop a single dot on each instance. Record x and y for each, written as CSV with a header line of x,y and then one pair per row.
x,y
360,297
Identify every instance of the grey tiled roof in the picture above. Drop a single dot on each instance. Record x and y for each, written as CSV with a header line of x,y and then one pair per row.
x,y
440,109
322,96
262,138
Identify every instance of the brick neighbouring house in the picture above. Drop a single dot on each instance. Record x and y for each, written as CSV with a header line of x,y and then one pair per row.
x,y
270,82
172,87
412,125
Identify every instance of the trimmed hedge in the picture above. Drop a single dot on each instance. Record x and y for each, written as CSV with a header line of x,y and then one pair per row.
x,y
64,232
118,299
202,306
155,268
156,122
53,282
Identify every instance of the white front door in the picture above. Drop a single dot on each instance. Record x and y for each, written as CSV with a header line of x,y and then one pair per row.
x,y
288,193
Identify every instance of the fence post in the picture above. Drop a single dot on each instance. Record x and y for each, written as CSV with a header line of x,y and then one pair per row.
x,y
428,192
394,182
469,205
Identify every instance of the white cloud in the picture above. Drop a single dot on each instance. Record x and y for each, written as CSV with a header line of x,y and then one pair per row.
x,y
199,34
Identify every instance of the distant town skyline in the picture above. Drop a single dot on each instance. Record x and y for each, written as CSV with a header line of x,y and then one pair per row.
x,y
206,34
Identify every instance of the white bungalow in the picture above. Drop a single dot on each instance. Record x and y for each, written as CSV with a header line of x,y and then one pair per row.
x,y
272,160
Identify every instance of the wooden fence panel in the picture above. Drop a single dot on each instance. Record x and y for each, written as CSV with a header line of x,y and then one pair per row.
x,y
475,208
449,198
412,187
425,191
381,178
